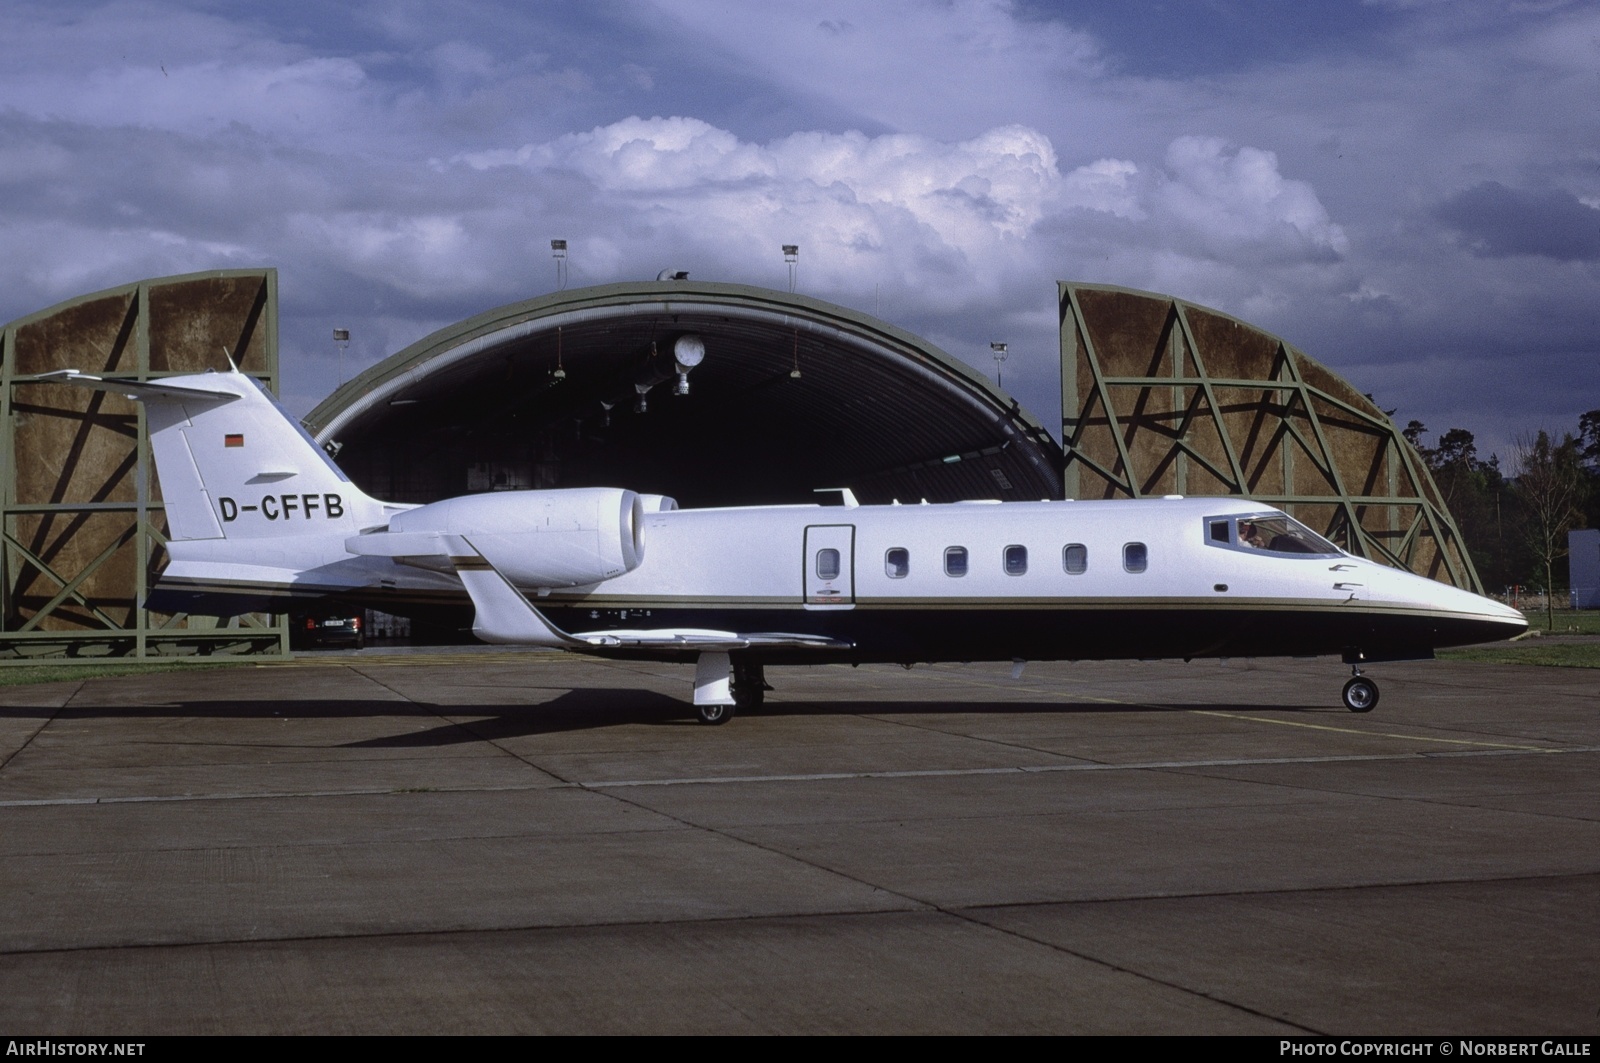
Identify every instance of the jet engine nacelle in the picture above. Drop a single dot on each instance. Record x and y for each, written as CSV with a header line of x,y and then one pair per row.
x,y
562,538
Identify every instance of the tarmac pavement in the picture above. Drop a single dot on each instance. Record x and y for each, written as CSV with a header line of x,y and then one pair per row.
x,y
513,842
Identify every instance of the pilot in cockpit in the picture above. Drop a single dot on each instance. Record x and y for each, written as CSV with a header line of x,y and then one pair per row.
x,y
1249,535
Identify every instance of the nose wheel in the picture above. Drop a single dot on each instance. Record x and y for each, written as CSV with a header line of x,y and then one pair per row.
x,y
1360,694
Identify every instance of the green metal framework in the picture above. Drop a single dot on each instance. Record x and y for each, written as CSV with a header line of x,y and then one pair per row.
x,y
81,519
1161,397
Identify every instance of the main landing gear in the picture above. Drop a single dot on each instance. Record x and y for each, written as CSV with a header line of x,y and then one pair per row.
x,y
1360,693
725,682
750,684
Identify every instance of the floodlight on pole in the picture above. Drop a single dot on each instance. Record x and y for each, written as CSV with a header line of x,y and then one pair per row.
x,y
791,255
558,251
999,351
341,340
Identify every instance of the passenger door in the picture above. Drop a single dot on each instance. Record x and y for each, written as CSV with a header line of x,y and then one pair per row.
x,y
830,566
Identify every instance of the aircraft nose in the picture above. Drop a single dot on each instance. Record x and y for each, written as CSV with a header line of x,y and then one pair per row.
x,y
1472,618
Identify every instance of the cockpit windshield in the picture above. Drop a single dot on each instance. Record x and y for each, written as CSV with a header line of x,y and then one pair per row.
x,y
1270,532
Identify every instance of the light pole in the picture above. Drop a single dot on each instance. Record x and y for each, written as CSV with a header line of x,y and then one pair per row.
x,y
999,350
791,255
341,340
558,251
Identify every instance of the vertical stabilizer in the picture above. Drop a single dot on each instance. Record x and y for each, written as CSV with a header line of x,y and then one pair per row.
x,y
232,465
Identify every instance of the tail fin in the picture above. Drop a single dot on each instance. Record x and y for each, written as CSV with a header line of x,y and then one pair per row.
x,y
233,465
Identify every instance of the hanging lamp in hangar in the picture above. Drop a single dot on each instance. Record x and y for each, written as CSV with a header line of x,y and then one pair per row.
x,y
715,394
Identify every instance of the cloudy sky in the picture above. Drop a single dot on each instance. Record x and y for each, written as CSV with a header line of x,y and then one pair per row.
x,y
1408,190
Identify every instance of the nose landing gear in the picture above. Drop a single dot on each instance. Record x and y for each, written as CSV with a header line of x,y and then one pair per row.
x,y
1360,693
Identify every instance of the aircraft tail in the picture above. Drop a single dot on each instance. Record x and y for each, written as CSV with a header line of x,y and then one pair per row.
x,y
233,465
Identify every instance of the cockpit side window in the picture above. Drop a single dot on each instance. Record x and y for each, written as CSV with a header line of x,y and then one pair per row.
x,y
1270,533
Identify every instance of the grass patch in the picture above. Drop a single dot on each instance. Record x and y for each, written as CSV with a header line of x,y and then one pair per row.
x,y
1533,651
28,674
1568,621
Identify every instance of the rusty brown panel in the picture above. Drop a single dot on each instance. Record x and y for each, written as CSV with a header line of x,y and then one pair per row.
x,y
1129,331
1086,383
1253,419
1310,475
1204,439
1362,452
1096,443
1200,480
95,336
191,321
68,543
1453,549
1320,377
1150,434
73,445
1231,348
1319,517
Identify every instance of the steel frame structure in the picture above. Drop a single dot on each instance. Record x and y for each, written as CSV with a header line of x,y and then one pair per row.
x,y
81,519
1160,396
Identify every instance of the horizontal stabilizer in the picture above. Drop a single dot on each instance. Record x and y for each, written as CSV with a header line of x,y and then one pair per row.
x,y
137,389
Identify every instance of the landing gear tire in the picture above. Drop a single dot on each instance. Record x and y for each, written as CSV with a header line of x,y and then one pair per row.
x,y
714,714
1360,694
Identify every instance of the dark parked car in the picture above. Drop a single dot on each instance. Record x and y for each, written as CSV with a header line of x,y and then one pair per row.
x,y
330,629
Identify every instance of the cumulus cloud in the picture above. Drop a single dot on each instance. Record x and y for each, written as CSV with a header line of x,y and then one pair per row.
x,y
940,161
1235,197
995,210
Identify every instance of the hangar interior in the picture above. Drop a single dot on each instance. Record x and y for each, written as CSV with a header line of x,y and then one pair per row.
x,y
714,394
787,395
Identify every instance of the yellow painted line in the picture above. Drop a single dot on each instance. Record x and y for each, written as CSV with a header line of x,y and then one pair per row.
x,y
1375,734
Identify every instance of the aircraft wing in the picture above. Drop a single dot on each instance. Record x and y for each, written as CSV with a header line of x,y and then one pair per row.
x,y
505,615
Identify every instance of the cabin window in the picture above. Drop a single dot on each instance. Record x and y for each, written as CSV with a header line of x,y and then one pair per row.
x,y
1075,559
1219,531
1016,560
827,564
955,561
897,563
1135,557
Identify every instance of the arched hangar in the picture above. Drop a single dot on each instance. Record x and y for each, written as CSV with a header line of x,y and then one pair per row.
x,y
713,394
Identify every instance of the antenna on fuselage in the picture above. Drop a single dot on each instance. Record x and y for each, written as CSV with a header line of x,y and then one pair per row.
x,y
229,357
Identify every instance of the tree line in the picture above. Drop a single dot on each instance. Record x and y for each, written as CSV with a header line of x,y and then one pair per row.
x,y
1515,520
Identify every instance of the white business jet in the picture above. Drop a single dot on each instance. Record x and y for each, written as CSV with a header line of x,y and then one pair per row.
x,y
260,517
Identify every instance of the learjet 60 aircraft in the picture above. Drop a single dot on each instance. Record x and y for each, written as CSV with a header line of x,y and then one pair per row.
x,y
261,517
